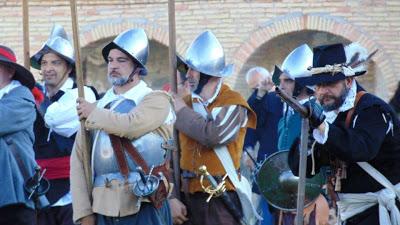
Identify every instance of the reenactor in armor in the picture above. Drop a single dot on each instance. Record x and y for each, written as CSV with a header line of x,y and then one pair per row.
x,y
212,123
130,128
277,192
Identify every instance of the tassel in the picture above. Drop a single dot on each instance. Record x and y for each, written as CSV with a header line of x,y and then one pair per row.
x,y
313,158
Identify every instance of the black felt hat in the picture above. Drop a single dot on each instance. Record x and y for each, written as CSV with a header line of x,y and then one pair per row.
x,y
327,55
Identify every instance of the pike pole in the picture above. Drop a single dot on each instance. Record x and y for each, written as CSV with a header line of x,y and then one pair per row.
x,y
303,151
81,94
25,21
174,88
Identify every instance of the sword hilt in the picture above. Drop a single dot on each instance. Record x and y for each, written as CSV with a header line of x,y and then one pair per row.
x,y
215,189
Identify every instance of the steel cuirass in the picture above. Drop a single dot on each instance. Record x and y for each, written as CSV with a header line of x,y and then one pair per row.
x,y
148,145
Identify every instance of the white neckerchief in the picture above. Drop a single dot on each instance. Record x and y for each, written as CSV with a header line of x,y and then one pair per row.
x,y
68,85
136,94
5,90
347,104
201,105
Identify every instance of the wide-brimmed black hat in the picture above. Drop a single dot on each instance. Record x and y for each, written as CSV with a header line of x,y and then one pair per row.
x,y
7,57
330,64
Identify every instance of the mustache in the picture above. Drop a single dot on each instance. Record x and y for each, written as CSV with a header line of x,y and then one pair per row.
x,y
114,72
48,74
191,80
325,97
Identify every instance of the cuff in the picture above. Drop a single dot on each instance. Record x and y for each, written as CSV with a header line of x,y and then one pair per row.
x,y
321,138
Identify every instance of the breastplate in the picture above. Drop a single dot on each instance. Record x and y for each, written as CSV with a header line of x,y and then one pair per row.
x,y
149,146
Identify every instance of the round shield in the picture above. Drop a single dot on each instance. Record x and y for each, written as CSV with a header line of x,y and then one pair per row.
x,y
279,186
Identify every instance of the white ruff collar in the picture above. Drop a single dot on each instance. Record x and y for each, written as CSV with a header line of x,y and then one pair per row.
x,y
347,104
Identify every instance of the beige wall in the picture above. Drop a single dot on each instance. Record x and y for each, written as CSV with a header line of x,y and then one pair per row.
x,y
243,27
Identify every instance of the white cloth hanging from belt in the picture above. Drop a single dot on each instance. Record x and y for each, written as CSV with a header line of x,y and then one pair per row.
x,y
353,204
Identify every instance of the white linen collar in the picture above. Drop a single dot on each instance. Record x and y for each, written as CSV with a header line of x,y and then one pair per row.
x,y
68,84
136,94
5,90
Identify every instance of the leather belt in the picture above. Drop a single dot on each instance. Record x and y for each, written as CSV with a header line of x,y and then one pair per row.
x,y
105,179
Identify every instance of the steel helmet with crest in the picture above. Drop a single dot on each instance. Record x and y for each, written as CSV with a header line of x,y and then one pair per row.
x,y
57,43
206,55
134,43
295,65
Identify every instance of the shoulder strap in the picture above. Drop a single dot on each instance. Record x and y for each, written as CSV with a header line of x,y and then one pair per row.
x,y
351,111
119,154
120,145
134,154
374,173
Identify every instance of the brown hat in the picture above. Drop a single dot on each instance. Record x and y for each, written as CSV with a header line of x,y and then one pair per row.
x,y
7,57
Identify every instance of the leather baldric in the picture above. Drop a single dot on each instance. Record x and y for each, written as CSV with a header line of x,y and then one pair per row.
x,y
340,167
120,155
120,145
351,111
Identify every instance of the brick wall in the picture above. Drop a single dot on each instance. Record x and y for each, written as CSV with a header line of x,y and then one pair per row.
x,y
242,26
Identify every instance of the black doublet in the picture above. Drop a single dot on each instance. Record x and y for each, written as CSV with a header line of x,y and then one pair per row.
x,y
369,140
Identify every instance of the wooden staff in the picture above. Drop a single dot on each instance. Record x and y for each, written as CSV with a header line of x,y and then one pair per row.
x,y
80,83
25,21
305,113
302,171
173,81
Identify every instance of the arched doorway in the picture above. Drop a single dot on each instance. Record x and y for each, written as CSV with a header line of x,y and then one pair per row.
x,y
274,51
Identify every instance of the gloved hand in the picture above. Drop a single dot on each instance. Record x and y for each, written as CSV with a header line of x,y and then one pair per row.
x,y
316,115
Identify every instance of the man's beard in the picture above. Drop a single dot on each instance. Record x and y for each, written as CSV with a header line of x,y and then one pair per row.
x,y
338,101
117,81
202,82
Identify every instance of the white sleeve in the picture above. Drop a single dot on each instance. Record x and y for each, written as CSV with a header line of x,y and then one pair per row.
x,y
61,116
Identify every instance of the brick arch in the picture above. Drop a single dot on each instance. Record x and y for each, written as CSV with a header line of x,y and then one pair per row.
x,y
289,23
109,28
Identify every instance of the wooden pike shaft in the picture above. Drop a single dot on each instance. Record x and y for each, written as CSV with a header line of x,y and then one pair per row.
x,y
25,18
80,83
173,82
304,112
302,171
172,44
